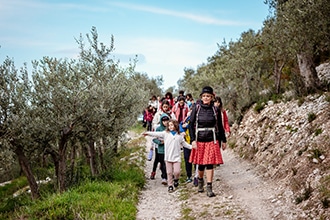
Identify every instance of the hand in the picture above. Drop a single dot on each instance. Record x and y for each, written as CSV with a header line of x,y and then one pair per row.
x,y
194,144
224,146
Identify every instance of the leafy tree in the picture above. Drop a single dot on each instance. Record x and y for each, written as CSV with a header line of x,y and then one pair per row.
x,y
150,84
83,102
307,24
235,72
276,51
71,110
15,121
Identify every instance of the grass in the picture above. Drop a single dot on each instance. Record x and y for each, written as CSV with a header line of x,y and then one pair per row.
x,y
12,187
113,195
90,200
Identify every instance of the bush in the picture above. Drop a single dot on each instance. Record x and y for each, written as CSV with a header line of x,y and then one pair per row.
x,y
259,106
311,117
318,131
325,191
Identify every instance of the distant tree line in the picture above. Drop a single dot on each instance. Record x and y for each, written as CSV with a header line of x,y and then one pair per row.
x,y
68,113
280,57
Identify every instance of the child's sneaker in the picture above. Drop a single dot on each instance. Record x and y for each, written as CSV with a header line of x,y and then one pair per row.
x,y
188,180
170,189
152,176
195,181
164,181
176,183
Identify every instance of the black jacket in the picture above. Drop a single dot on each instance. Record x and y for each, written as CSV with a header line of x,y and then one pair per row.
x,y
206,119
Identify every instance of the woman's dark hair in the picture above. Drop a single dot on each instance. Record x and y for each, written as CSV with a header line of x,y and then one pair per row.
x,y
169,94
181,98
189,96
218,99
150,108
165,102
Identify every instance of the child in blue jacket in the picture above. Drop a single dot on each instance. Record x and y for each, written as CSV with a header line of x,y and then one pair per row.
x,y
160,150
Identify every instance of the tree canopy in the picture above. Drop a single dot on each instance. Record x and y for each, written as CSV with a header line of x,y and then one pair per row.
x,y
69,112
280,57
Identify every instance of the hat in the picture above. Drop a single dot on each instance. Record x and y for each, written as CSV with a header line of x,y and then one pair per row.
x,y
165,118
207,89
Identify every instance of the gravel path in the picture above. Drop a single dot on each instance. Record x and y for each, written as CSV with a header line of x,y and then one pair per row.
x,y
240,194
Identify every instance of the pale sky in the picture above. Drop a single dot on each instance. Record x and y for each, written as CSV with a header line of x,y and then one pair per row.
x,y
167,36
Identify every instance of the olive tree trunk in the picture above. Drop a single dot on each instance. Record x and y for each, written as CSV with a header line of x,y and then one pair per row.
x,y
26,168
308,71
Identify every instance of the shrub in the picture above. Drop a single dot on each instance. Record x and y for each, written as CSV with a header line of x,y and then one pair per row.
x,y
259,106
318,131
325,191
311,117
316,153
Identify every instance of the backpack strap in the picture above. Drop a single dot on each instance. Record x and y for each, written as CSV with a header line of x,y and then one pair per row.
x,y
198,107
216,118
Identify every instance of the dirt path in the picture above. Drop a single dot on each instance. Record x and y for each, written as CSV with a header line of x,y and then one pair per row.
x,y
155,202
240,194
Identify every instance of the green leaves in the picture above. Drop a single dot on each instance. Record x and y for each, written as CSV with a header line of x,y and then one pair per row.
x,y
66,104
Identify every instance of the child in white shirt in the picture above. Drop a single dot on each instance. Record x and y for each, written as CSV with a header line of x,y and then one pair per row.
x,y
173,142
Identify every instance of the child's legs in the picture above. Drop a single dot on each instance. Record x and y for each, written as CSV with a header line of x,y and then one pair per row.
x,y
196,170
169,170
149,125
156,161
188,166
177,169
162,166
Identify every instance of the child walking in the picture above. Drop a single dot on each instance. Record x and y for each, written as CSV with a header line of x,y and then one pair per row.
x,y
160,150
173,142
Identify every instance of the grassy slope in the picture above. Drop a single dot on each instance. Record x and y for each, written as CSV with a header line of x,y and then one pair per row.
x,y
114,196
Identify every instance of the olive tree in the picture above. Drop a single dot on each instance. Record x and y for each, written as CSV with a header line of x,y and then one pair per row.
x,y
16,120
78,103
69,109
307,27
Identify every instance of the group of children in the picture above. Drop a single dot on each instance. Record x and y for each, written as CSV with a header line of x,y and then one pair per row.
x,y
169,133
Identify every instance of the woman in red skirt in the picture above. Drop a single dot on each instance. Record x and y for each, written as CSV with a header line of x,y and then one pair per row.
x,y
206,135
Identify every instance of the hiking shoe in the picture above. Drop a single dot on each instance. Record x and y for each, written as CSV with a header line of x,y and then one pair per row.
x,y
170,189
200,185
188,180
176,183
164,181
209,191
152,176
195,181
